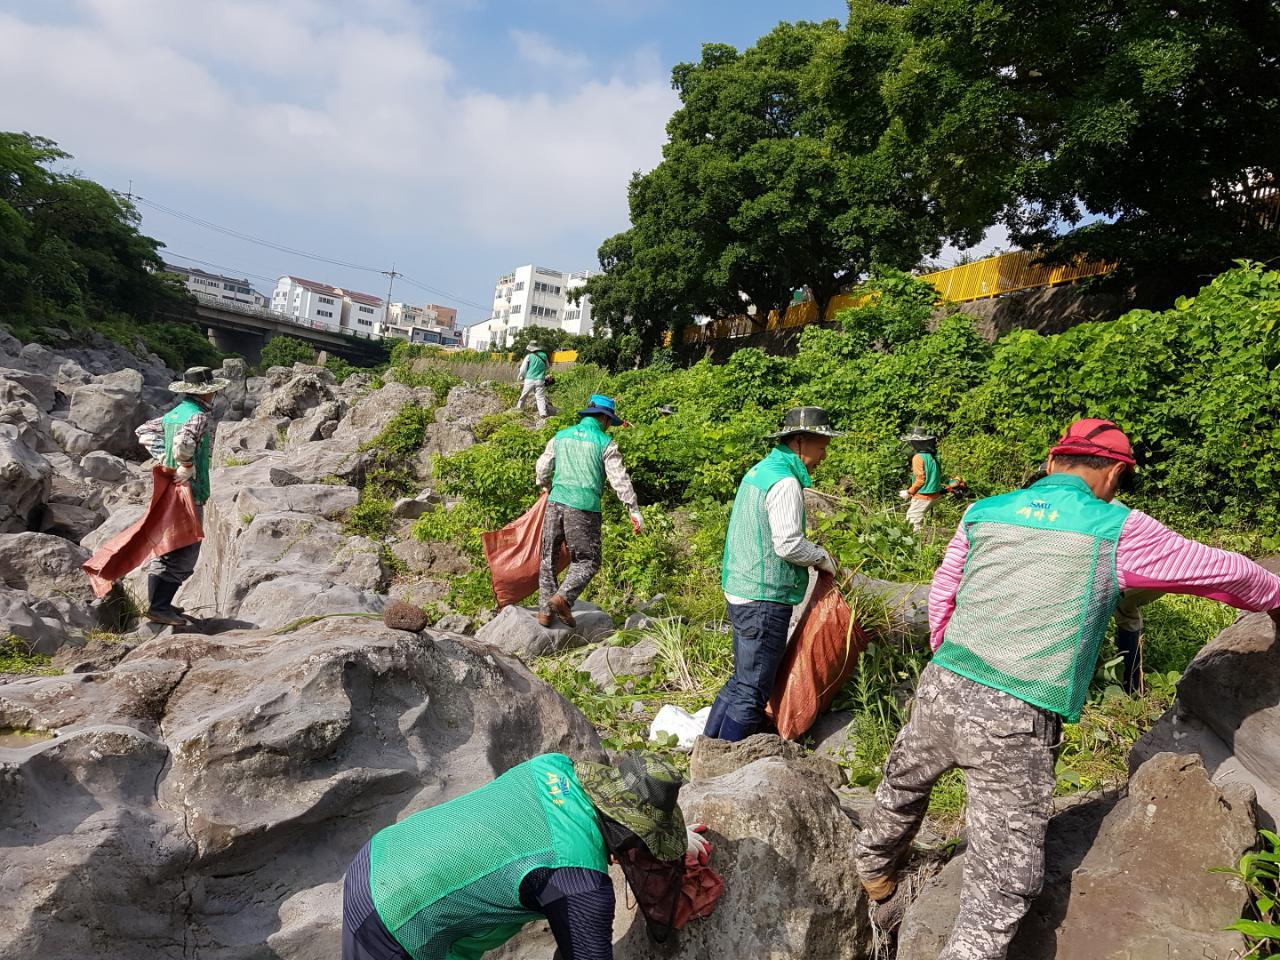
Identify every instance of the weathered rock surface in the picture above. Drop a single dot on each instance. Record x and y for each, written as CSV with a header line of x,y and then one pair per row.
x,y
713,758
110,409
456,421
25,481
205,794
103,466
606,664
1123,882
515,630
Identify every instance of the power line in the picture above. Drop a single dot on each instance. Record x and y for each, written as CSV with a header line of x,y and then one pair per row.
x,y
284,248
220,266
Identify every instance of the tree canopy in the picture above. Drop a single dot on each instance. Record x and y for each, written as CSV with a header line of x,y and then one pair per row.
x,y
1140,133
763,190
70,250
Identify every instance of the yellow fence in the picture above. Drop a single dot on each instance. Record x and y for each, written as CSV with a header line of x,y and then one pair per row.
x,y
559,356
1007,273
990,277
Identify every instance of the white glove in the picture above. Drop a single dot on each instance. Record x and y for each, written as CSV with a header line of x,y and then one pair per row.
x,y
904,494
637,521
184,473
697,845
827,565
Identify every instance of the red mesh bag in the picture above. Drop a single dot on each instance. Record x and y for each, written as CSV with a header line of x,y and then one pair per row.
x,y
670,893
514,555
821,657
170,523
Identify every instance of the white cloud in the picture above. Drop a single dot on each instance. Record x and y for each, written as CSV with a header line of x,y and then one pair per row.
x,y
298,102
541,51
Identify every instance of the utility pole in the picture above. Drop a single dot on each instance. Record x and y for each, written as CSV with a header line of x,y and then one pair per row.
x,y
391,279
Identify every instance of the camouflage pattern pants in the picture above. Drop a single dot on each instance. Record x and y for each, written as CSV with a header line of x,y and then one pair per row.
x,y
1007,750
579,530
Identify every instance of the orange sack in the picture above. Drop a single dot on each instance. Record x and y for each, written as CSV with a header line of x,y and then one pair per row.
x,y
170,523
821,657
514,555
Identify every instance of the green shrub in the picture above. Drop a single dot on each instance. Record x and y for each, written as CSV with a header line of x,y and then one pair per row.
x,y
285,352
19,656
371,518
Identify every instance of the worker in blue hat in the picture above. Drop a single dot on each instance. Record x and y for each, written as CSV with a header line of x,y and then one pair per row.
x,y
573,468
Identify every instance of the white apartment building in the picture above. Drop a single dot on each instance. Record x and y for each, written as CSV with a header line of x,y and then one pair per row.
x,y
320,305
215,285
429,323
531,296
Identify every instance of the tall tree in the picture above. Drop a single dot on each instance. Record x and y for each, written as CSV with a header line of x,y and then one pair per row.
x,y
1150,124
763,189
70,249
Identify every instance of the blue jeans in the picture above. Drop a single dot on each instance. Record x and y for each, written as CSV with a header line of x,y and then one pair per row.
x,y
759,644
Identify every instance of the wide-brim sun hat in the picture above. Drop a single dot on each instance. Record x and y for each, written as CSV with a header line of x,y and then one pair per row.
x,y
1092,437
533,347
199,380
806,420
917,434
640,793
600,404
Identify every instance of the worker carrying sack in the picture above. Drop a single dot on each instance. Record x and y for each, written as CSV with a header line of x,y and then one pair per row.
x,y
820,658
514,554
170,523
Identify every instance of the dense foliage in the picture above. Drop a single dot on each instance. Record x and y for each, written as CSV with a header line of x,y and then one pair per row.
x,y
72,259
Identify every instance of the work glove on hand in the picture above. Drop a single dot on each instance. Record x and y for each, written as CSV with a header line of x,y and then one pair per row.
x,y
698,846
184,473
827,565
637,522
905,494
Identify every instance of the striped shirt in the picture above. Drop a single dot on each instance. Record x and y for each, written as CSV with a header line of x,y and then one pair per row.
x,y
1149,556
185,441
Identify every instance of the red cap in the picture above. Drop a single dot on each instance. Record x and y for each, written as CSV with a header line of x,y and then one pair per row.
x,y
1096,438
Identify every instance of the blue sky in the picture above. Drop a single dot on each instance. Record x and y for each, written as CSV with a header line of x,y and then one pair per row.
x,y
454,138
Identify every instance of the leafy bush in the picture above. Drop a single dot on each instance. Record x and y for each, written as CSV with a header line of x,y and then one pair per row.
x,y
285,352
371,518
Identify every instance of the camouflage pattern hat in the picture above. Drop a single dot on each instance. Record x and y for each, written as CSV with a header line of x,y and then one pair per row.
x,y
640,793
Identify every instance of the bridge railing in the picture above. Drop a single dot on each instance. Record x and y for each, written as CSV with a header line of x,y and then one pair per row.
x,y
263,313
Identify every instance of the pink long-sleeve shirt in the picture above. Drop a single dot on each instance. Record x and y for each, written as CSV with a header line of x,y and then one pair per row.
x,y
1149,556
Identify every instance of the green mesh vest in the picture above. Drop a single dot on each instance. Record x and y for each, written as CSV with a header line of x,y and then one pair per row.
x,y
932,473
537,366
751,569
1038,589
173,422
446,880
579,477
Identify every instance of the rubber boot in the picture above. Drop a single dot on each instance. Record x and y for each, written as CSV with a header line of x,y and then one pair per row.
x,y
160,601
1127,645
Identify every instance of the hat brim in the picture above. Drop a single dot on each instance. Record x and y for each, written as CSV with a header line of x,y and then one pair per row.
x,y
595,411
663,833
917,437
816,431
182,386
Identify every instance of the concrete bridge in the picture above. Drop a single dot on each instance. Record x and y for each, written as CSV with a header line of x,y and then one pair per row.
x,y
244,329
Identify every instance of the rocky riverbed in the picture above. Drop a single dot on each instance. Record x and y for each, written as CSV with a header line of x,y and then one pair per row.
x,y
198,794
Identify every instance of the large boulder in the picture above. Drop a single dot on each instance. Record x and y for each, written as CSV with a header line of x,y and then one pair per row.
x,y
37,386
248,440
1123,882
305,389
107,467
25,481
783,844
110,409
206,793
457,419
515,630
44,565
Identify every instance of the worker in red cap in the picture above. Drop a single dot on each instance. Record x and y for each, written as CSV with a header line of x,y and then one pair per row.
x,y
1017,613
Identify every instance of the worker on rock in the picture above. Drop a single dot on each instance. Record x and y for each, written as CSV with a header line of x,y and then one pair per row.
x,y
182,441
573,468
926,475
765,571
533,375
1017,612
455,880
